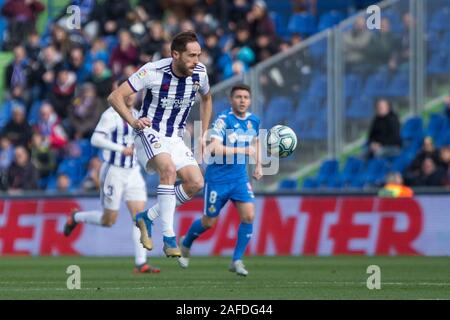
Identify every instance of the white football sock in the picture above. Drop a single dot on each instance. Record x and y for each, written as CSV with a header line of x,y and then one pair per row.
x,y
166,203
140,253
181,196
91,217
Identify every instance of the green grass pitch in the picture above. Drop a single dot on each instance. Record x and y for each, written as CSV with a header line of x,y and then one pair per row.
x,y
208,278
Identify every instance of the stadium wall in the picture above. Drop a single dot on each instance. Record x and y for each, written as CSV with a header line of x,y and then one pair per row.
x,y
285,225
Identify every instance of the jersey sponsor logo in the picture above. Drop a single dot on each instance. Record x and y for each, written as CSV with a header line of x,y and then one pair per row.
x,y
157,145
176,103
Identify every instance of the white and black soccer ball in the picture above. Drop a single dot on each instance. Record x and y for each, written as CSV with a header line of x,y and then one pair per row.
x,y
281,141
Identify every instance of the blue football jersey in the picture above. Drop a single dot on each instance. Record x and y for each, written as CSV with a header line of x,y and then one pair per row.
x,y
233,131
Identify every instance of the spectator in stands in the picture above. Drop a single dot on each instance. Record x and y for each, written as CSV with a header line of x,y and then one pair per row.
x,y
61,41
428,151
430,174
17,129
79,65
404,55
18,71
394,187
42,157
91,181
44,71
259,20
124,53
152,42
356,44
62,91
84,112
113,16
384,133
63,183
238,11
22,175
98,51
382,49
447,107
22,16
102,79
32,47
264,46
444,158
6,158
49,126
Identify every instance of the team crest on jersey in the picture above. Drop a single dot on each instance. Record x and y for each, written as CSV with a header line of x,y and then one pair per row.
x,y
196,86
142,73
212,209
249,125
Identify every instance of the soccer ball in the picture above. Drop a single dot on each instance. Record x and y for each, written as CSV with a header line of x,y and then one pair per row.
x,y
281,141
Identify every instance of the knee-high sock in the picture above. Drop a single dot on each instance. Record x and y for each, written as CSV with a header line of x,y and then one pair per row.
x,y
181,197
244,235
140,253
91,217
166,203
195,230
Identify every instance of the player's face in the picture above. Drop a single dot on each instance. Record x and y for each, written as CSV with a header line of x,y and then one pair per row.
x,y
186,61
240,102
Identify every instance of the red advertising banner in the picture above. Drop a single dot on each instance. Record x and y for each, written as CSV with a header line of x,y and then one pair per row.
x,y
286,225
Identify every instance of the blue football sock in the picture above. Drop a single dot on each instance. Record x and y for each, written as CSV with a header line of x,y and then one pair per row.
x,y
194,232
244,234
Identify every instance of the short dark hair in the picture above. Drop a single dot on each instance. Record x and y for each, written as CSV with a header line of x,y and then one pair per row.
x,y
240,87
180,41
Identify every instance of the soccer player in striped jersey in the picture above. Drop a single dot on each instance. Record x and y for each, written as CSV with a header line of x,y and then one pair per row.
x,y
170,86
120,177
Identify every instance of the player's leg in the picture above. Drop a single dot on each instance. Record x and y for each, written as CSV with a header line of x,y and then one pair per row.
x,y
189,173
155,154
111,188
140,253
215,197
243,198
191,183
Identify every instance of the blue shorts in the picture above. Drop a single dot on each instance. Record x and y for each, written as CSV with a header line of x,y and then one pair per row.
x,y
217,195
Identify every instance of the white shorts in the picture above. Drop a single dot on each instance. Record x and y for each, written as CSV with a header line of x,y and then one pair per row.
x,y
150,143
117,183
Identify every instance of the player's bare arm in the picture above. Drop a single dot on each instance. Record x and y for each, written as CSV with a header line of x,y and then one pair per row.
x,y
205,117
117,99
257,173
217,148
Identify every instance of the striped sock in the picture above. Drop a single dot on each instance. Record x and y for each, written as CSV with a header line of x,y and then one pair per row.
x,y
166,202
181,196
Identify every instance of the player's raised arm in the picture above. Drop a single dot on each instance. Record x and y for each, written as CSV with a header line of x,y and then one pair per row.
x,y
117,99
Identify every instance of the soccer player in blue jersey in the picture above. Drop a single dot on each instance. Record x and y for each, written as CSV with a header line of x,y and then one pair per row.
x,y
234,138
170,86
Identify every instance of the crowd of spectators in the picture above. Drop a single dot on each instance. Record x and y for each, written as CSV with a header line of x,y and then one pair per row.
x,y
58,81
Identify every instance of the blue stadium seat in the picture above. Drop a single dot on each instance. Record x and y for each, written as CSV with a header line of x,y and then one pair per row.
x,y
280,24
377,84
221,104
328,170
318,49
302,23
439,64
440,19
74,168
373,174
327,5
33,114
279,109
318,87
288,184
399,86
437,128
361,107
353,84
353,167
412,130
310,183
329,19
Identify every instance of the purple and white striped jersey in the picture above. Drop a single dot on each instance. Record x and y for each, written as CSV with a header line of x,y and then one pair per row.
x,y
120,133
167,98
